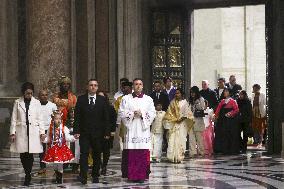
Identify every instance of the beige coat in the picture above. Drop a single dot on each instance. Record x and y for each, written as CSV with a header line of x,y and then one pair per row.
x,y
19,127
262,103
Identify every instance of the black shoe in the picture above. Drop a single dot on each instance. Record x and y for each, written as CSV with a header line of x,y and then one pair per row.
x,y
95,180
82,179
27,181
75,168
58,177
104,170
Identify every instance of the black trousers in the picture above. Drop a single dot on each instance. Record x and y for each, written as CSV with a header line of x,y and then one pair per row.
x,y
41,155
243,141
27,160
88,142
107,145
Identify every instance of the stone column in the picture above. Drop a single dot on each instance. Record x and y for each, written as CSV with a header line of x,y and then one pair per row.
x,y
48,41
275,44
282,152
102,43
9,74
129,31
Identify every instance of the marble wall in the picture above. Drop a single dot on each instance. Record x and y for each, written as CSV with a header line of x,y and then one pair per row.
x,y
231,42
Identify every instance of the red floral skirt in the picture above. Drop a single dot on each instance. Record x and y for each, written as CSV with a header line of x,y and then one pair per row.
x,y
57,154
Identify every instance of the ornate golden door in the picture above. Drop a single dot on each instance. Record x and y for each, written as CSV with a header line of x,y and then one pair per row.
x,y
167,47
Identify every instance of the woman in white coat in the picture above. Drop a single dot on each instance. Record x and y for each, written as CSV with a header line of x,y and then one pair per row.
x,y
26,129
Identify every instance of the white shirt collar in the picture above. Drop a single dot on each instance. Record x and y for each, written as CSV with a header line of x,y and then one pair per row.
x,y
94,96
168,91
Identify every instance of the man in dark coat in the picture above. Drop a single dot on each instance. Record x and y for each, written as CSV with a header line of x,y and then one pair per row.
x,y
209,95
92,126
220,89
160,97
233,87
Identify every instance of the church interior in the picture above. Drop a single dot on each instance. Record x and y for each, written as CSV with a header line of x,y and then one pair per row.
x,y
187,40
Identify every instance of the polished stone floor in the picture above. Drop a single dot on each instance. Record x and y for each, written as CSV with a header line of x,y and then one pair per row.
x,y
251,170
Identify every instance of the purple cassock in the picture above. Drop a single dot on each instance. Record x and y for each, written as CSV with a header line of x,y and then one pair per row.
x,y
137,141
135,164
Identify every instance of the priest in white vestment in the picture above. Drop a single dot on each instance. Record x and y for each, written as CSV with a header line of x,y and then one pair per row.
x,y
137,113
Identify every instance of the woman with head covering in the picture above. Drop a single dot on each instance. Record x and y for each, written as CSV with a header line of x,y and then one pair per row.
x,y
65,101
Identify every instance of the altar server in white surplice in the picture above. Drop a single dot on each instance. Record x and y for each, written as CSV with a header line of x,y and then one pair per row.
x,y
137,113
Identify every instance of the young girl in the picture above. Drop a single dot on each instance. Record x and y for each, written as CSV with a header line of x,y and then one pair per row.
x,y
58,152
208,133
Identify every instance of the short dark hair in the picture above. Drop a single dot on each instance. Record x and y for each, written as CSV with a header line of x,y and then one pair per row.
x,y
231,76
227,89
105,95
137,79
166,79
158,81
126,83
27,85
244,93
180,90
124,79
222,79
256,86
92,79
159,103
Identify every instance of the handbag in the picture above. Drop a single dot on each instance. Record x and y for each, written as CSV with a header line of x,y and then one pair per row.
x,y
199,113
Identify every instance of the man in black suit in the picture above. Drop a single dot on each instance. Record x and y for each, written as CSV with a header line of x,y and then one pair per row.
x,y
220,90
92,126
209,95
159,96
233,87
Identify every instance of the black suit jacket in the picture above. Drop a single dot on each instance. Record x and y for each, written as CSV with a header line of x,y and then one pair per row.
x,y
112,118
163,99
245,110
211,97
92,119
235,90
217,93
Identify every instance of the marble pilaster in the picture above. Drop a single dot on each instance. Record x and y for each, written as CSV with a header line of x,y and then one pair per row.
x,y
102,43
9,84
48,41
275,29
282,152
129,34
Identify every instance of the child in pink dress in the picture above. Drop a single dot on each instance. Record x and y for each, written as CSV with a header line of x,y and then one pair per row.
x,y
208,133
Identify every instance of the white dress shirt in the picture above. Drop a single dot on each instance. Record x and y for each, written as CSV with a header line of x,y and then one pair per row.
x,y
46,111
94,98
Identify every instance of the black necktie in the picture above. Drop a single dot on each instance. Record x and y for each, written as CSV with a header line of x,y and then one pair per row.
x,y
157,95
92,101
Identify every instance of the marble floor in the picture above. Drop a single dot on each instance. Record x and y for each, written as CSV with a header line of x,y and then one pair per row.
x,y
251,170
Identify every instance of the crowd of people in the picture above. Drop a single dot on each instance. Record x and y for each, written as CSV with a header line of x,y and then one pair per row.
x,y
79,131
